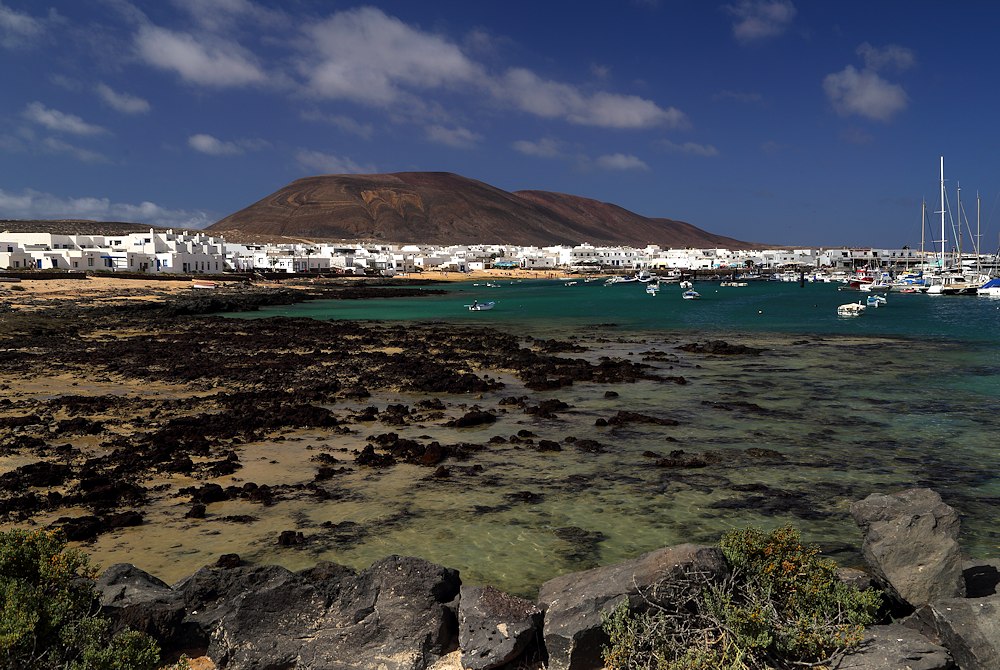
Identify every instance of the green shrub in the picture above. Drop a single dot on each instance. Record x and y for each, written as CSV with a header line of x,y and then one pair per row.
x,y
48,611
781,606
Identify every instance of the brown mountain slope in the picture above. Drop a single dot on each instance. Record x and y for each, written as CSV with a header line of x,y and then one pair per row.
x,y
445,208
609,219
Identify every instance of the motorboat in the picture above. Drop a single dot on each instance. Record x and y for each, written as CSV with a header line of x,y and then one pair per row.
x,y
651,289
691,294
990,288
685,284
477,306
875,300
851,309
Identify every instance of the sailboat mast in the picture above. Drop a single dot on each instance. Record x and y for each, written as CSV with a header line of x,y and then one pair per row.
x,y
978,235
923,225
942,213
958,238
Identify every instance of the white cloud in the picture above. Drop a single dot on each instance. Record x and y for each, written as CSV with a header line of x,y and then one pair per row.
x,y
864,93
206,60
760,19
122,102
543,148
17,29
551,99
330,164
54,145
694,148
890,56
207,144
31,204
369,57
345,123
621,161
53,119
460,138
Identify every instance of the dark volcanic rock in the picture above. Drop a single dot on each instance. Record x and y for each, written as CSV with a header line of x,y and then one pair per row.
x,y
473,418
911,544
392,616
135,599
896,647
720,348
494,628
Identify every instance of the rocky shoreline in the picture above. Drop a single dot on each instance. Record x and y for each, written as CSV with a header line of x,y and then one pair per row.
x,y
116,417
408,614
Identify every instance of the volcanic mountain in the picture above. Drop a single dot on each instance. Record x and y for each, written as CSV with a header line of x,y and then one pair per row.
x,y
444,208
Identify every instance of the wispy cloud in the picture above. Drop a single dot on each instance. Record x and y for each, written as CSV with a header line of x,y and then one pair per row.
x,y
757,20
344,122
693,148
330,164
122,102
57,146
621,161
18,29
208,60
459,138
53,119
891,56
546,147
530,93
208,144
31,204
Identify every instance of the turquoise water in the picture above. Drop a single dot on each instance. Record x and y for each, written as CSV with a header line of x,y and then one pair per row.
x,y
546,306
906,395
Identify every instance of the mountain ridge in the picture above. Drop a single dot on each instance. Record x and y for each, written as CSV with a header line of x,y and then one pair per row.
x,y
447,208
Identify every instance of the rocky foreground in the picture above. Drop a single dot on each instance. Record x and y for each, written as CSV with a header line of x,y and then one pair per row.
x,y
407,614
100,403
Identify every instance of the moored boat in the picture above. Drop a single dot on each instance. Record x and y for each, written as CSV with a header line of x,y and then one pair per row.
x,y
851,309
691,294
477,306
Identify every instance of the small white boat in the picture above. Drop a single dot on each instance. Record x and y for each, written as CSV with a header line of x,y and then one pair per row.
x,y
651,289
990,288
851,309
686,284
875,300
201,283
477,306
691,294
733,283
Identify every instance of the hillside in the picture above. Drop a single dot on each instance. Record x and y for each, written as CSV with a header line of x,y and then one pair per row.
x,y
445,208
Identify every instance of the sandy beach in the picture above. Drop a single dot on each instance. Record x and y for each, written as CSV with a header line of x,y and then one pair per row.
x,y
37,294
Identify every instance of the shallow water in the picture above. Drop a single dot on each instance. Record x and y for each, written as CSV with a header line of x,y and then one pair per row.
x,y
906,395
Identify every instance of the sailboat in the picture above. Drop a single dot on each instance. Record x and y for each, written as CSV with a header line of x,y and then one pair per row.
x,y
945,281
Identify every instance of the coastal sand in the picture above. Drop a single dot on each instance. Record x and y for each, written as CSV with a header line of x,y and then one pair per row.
x,y
34,294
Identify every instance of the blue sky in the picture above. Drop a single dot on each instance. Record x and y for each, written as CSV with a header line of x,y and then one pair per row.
x,y
780,121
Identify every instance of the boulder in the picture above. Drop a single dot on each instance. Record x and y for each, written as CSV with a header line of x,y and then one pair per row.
x,y
494,628
968,627
212,593
132,598
574,603
910,544
896,647
392,616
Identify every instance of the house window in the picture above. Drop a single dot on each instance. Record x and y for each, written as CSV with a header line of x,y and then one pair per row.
x,y
90,262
